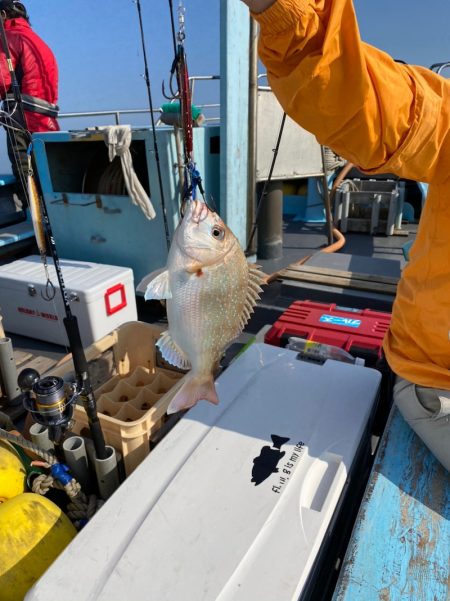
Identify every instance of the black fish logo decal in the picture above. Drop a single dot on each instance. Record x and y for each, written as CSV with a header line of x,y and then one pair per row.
x,y
266,463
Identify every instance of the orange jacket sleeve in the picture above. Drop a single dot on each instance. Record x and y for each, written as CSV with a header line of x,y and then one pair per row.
x,y
376,113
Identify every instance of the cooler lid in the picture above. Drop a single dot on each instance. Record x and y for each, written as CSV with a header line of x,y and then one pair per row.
x,y
87,280
234,503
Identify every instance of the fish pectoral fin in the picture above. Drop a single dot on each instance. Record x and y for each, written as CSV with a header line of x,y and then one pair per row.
x,y
158,288
171,352
193,390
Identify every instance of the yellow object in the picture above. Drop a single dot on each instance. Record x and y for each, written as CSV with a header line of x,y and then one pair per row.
x,y
290,188
33,532
12,472
385,117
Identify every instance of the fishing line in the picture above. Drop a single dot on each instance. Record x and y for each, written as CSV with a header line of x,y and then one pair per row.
x,y
266,183
70,321
155,144
78,356
172,22
21,122
13,126
192,178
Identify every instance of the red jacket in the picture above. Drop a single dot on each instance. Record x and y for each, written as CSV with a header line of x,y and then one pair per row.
x,y
35,68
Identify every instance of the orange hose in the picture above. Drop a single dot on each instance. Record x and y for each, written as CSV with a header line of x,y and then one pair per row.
x,y
340,242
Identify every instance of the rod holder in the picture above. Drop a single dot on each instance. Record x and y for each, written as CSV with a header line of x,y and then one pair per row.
x,y
75,456
8,373
39,435
107,473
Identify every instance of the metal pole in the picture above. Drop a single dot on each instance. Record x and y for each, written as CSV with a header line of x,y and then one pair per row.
x,y
326,199
267,183
252,131
270,222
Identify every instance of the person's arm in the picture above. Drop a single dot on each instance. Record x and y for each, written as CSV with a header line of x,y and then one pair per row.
x,y
5,76
378,114
258,6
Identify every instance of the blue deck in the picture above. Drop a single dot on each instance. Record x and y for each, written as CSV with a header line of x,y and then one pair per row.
x,y
400,546
16,233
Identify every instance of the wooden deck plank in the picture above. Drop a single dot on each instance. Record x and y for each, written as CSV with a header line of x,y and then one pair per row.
x,y
22,357
324,271
39,363
339,281
400,546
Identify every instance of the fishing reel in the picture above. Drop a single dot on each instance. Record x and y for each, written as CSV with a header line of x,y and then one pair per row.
x,y
49,400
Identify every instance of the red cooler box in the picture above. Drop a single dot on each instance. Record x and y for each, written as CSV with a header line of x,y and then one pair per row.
x,y
359,332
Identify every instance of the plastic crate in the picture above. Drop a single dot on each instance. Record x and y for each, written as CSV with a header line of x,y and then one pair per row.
x,y
372,206
133,401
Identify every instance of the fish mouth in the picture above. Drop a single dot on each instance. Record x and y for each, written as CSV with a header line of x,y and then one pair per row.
x,y
198,211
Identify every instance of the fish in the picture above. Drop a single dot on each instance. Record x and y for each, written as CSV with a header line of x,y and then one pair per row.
x,y
267,461
210,291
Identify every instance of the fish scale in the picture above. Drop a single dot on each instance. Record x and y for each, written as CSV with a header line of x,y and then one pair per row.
x,y
210,290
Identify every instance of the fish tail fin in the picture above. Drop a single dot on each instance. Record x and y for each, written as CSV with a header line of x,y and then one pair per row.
x,y
279,441
194,389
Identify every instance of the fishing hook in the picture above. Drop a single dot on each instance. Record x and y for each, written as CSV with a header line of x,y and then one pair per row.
x,y
211,204
174,95
181,36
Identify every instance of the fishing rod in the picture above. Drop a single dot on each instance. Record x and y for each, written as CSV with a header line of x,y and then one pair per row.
x,y
266,183
155,143
70,321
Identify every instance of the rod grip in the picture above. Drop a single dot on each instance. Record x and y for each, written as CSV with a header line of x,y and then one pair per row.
x,y
76,346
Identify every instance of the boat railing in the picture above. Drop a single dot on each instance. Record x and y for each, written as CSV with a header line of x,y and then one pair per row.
x,y
210,110
439,67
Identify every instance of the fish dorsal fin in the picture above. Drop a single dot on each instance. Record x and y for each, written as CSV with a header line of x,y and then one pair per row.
x,y
255,278
158,288
171,352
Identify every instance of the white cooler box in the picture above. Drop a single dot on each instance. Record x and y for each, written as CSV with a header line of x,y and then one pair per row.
x,y
101,297
235,503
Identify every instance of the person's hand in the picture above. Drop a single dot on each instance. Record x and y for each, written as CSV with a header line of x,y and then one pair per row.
x,y
258,6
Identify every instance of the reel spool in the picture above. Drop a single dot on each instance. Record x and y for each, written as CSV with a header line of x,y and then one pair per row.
x,y
49,400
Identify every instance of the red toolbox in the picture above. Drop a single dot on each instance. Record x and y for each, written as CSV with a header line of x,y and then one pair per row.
x,y
359,332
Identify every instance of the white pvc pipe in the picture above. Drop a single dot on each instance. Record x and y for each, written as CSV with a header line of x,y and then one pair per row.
x,y
75,455
8,372
39,435
107,473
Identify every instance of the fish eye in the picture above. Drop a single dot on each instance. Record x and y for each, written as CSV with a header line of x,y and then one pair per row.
x,y
218,232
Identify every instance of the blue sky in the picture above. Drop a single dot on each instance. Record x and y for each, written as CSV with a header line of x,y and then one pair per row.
x,y
98,47
99,54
